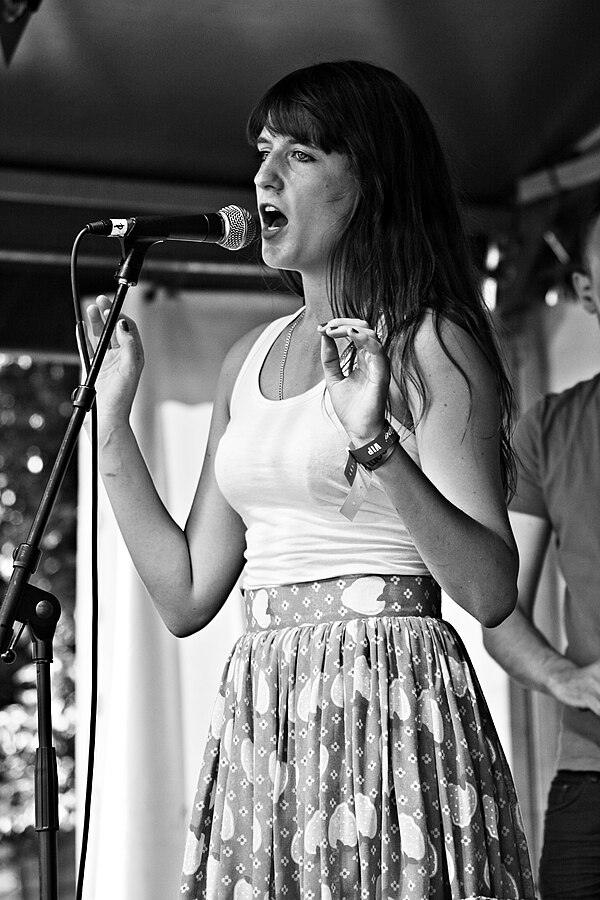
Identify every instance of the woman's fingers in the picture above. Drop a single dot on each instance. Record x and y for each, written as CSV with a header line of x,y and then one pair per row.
x,y
344,322
129,341
360,395
372,364
356,330
95,318
97,314
371,355
330,358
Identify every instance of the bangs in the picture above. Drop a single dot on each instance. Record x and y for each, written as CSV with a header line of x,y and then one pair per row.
x,y
293,116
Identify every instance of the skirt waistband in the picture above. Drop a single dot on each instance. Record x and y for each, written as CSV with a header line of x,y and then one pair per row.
x,y
339,599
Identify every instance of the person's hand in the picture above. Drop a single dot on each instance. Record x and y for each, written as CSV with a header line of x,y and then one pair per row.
x,y
359,398
122,366
578,686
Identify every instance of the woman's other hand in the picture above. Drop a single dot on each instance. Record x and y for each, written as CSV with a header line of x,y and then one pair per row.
x,y
359,398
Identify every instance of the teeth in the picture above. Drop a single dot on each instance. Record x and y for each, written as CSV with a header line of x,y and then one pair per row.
x,y
274,218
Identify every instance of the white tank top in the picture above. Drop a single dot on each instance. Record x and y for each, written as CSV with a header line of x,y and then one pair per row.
x,y
280,464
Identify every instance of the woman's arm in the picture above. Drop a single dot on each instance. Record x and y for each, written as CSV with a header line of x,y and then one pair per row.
x,y
189,572
453,506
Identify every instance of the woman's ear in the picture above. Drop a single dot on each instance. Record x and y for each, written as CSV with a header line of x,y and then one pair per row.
x,y
582,285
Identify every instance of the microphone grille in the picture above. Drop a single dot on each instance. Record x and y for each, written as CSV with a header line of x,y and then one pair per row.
x,y
241,228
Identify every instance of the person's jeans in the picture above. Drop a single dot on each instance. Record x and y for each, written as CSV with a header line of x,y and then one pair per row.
x,y
570,861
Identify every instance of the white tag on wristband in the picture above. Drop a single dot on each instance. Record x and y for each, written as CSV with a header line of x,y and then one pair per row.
x,y
359,479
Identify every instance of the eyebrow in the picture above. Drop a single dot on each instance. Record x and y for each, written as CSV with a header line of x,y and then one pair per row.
x,y
290,139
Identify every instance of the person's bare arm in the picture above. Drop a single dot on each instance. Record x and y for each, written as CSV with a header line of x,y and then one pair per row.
x,y
521,648
453,504
188,572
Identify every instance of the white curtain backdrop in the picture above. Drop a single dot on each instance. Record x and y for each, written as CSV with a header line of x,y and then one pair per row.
x,y
156,692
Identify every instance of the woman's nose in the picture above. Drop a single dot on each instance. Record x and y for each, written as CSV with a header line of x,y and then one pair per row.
x,y
269,174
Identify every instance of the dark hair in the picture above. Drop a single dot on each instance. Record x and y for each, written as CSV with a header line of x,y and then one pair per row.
x,y
403,251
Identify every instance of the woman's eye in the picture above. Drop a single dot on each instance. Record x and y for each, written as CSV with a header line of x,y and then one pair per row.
x,y
302,156
262,155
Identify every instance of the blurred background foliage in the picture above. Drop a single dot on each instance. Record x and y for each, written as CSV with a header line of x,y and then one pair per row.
x,y
35,406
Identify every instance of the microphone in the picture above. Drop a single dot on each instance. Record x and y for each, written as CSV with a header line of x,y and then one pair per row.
x,y
231,227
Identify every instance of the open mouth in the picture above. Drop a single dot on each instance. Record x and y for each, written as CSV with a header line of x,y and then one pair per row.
x,y
273,218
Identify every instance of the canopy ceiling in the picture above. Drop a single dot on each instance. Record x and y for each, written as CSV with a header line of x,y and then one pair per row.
x,y
115,108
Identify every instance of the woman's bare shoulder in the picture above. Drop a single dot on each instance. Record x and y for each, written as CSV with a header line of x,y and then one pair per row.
x,y
236,356
444,348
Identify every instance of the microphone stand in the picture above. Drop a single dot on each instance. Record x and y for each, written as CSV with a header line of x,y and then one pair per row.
x,y
30,606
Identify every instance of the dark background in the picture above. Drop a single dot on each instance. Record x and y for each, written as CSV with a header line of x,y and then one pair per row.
x,y
111,108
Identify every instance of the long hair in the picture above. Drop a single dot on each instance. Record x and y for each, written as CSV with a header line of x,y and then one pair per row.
x,y
402,252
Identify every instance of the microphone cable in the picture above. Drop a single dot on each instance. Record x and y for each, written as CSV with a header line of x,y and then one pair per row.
x,y
93,709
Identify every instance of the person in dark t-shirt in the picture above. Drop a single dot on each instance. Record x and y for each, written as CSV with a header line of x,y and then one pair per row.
x,y
557,442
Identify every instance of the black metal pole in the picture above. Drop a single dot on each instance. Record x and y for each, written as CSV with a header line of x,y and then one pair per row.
x,y
42,619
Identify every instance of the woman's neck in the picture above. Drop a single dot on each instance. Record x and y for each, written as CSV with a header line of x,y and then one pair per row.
x,y
316,300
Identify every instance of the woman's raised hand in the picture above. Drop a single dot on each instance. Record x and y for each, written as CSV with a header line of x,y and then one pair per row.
x,y
359,398
122,367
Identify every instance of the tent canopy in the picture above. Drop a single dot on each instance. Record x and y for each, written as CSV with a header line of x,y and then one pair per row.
x,y
112,109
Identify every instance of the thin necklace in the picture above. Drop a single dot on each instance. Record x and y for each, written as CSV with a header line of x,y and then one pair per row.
x,y
286,348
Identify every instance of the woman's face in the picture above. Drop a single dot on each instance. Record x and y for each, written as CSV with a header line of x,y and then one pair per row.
x,y
304,196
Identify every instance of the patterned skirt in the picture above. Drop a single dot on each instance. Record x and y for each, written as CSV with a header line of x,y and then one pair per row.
x,y
351,756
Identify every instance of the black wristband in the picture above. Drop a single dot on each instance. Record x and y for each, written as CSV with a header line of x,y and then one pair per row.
x,y
376,452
